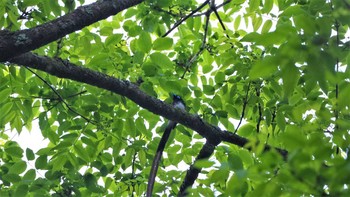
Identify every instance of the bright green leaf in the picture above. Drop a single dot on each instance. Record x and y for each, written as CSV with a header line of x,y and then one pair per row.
x,y
267,26
18,167
246,130
163,43
203,163
14,151
144,42
264,68
161,60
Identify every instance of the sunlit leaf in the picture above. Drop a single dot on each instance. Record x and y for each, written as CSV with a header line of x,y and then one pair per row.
x,y
144,42
161,60
162,43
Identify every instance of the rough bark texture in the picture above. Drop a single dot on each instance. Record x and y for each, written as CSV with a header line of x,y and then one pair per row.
x,y
15,43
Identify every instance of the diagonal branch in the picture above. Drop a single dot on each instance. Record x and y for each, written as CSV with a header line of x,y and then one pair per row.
x,y
132,91
185,18
245,102
60,98
15,43
192,173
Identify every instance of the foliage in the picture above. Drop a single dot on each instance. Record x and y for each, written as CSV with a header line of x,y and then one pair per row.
x,y
271,71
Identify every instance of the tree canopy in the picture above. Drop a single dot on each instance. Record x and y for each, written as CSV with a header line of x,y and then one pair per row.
x,y
266,84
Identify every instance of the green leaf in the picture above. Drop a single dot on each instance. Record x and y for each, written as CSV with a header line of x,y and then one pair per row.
x,y
203,163
148,88
27,3
18,167
12,178
172,86
4,95
161,60
264,68
267,26
253,5
144,42
150,69
293,137
304,22
208,90
236,186
81,152
237,22
246,130
113,39
163,43
106,31
219,77
5,109
220,175
221,114
290,76
14,151
268,4
21,190
29,175
344,100
281,122
207,68
55,7
58,162
257,21
235,162
41,162
140,125
142,157
266,39
91,183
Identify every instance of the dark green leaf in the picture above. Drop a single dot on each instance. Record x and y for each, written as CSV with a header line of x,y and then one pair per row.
x,y
41,162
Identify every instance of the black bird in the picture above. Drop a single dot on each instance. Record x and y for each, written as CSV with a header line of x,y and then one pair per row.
x,y
177,103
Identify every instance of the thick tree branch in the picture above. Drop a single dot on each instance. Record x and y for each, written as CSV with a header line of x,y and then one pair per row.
x,y
192,173
15,43
67,70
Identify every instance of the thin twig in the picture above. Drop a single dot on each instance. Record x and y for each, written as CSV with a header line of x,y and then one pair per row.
x,y
195,57
224,3
185,18
59,96
257,90
165,11
214,9
133,174
245,102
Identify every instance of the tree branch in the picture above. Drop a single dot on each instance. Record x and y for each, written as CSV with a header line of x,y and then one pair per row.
x,y
125,88
245,102
185,18
15,43
60,98
192,173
